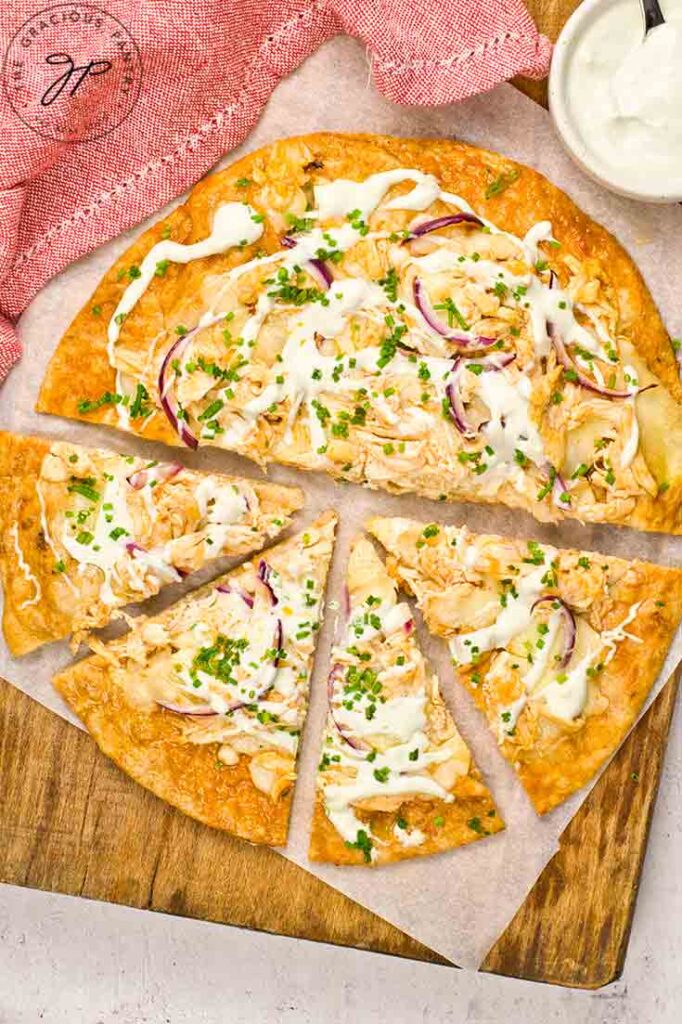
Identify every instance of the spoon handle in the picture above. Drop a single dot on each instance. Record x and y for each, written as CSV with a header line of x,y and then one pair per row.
x,y
653,15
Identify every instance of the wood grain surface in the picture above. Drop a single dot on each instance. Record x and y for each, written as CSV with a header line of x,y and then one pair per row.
x,y
70,822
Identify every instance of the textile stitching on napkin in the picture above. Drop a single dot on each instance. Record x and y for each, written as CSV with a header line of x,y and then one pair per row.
x,y
457,58
214,123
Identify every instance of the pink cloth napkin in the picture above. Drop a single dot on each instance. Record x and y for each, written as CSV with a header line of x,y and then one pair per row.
x,y
187,81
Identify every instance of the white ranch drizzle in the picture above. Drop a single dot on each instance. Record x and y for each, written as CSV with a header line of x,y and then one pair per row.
x,y
48,537
512,620
26,569
509,714
233,223
565,696
566,699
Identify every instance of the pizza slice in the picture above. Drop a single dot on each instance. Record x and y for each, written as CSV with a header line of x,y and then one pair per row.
x,y
204,703
395,779
558,648
85,531
413,315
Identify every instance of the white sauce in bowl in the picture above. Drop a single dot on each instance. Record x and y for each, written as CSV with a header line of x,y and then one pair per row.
x,y
616,95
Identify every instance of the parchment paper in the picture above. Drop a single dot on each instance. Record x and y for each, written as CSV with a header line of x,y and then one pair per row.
x,y
460,902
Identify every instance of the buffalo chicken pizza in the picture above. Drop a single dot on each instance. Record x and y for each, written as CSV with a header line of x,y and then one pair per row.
x,y
558,648
416,315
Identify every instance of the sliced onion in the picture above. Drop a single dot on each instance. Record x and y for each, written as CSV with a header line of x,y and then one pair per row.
x,y
321,272
264,573
423,304
226,588
316,268
490,364
164,471
336,675
456,408
188,709
564,357
443,222
167,399
569,626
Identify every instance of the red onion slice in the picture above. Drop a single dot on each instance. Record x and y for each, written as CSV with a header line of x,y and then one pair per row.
x,y
321,272
336,676
564,357
423,304
264,574
164,471
489,364
443,222
457,412
316,268
226,588
168,401
566,360
569,626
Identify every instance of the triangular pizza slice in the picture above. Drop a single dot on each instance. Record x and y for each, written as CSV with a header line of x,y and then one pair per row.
x,y
395,778
204,703
558,648
85,531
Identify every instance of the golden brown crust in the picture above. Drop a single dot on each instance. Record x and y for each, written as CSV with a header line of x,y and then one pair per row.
x,y
81,356
471,816
150,745
27,622
553,763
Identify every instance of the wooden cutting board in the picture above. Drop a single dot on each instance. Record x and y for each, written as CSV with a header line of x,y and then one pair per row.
x,y
70,822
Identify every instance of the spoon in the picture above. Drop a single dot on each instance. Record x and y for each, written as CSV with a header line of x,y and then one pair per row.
x,y
653,15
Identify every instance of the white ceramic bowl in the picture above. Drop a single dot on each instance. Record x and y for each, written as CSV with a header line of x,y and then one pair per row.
x,y
565,122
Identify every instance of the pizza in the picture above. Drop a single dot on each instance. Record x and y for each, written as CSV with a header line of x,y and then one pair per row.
x,y
86,531
204,703
410,314
558,648
395,778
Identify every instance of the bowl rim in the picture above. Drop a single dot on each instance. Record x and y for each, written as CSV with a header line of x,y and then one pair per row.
x,y
565,125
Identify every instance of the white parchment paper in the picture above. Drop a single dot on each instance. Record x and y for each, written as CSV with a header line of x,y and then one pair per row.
x,y
460,902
